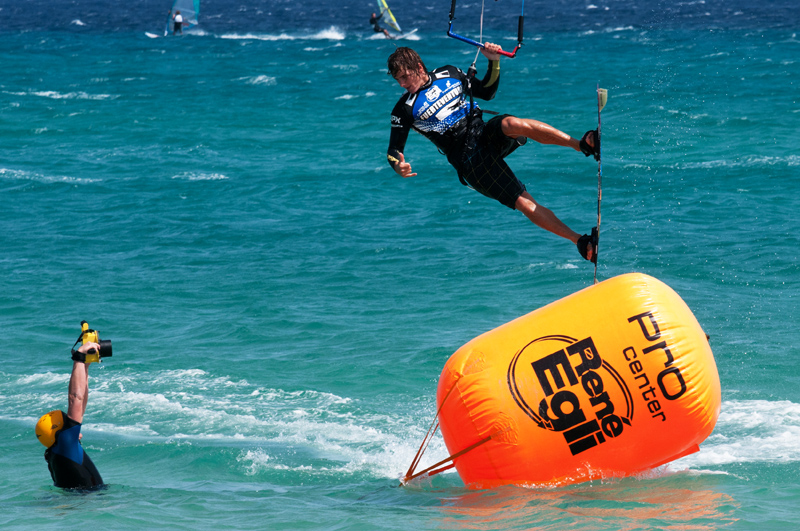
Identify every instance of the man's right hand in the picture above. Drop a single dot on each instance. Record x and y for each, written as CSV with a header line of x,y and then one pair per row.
x,y
403,168
89,348
87,353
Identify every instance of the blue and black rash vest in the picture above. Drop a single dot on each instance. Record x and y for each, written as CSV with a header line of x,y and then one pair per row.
x,y
70,467
439,109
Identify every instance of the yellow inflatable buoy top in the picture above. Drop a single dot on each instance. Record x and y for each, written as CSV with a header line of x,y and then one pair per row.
x,y
49,424
611,381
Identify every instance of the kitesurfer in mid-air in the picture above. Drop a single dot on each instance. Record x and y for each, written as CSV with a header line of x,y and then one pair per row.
x,y
437,104
376,27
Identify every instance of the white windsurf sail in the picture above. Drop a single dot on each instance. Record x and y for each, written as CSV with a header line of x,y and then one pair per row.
x,y
388,16
190,11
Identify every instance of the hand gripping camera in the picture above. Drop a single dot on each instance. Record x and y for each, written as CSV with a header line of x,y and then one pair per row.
x,y
91,336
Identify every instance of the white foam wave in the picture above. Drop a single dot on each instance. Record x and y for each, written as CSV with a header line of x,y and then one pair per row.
x,y
189,176
133,431
752,431
746,162
180,374
609,30
77,22
22,175
338,433
346,449
410,36
46,378
330,34
260,80
332,433
354,96
64,96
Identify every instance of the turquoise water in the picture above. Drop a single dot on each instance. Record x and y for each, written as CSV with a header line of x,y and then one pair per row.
x,y
281,303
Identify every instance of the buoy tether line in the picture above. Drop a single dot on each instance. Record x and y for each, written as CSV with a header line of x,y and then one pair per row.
x,y
602,98
437,467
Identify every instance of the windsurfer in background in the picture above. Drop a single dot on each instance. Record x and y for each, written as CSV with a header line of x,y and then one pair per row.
x,y
438,105
177,20
376,27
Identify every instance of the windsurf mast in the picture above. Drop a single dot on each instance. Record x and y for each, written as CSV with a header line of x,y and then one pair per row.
x,y
512,54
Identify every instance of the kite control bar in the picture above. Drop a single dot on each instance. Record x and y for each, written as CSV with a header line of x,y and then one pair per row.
x,y
512,53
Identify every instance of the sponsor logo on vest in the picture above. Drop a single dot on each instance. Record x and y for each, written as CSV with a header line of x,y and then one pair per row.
x,y
433,93
444,98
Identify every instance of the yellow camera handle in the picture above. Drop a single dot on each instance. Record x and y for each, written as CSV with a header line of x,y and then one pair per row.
x,y
92,358
87,336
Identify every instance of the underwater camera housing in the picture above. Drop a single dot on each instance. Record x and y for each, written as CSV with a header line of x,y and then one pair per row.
x,y
91,336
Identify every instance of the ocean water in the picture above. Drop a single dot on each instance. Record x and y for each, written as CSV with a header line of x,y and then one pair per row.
x,y
281,303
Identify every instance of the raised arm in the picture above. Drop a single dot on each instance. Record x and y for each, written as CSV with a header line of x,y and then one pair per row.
x,y
486,88
78,391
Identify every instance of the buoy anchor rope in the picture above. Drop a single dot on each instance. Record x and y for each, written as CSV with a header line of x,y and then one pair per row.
x,y
433,470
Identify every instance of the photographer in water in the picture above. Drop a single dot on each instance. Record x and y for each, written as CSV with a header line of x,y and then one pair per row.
x,y
69,465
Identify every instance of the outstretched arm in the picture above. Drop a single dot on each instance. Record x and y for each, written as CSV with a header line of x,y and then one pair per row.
x,y
78,391
400,166
397,143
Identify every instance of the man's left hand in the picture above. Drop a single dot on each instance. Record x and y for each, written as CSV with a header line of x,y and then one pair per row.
x,y
490,51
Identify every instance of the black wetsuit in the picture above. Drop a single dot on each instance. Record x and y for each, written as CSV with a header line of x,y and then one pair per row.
x,y
375,26
440,111
70,467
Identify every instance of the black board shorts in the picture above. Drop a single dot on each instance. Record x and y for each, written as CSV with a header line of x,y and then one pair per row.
x,y
481,164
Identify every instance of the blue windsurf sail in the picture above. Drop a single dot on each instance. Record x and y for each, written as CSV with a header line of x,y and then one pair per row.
x,y
190,11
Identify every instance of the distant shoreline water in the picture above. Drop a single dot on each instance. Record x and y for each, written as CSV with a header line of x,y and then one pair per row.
x,y
282,304
283,15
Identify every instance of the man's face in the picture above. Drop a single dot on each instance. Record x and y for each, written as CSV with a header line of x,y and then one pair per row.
x,y
412,80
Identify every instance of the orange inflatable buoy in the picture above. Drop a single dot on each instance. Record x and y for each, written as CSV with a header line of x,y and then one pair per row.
x,y
611,381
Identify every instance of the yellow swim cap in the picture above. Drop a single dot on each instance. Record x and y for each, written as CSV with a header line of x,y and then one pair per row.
x,y
47,427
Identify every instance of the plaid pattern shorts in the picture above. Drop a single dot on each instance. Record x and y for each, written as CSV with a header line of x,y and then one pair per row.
x,y
481,164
